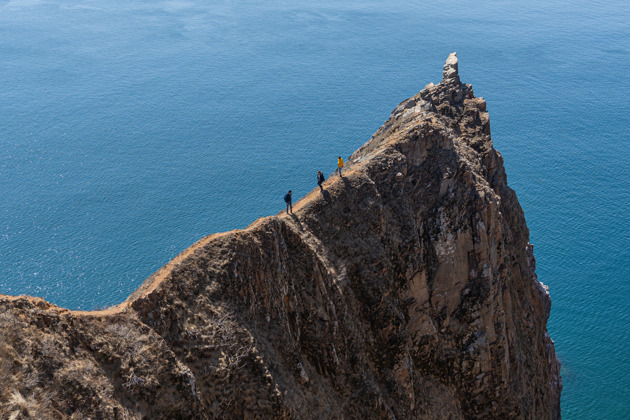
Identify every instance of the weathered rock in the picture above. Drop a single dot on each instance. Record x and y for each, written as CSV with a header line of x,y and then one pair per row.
x,y
406,289
451,72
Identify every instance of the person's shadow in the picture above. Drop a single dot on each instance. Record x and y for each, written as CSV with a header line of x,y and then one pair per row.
x,y
326,196
296,220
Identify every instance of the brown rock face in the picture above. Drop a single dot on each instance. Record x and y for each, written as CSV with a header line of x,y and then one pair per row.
x,y
406,289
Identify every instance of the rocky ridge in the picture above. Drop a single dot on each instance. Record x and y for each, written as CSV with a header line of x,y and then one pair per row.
x,y
407,289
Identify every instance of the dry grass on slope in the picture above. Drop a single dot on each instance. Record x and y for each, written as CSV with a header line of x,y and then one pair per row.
x,y
55,366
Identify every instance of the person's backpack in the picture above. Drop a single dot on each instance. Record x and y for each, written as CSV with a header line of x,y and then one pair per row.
x,y
287,198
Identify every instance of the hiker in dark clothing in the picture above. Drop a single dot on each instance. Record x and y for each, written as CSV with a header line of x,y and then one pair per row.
x,y
287,199
320,180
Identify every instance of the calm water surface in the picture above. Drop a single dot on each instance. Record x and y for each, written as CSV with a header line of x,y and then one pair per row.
x,y
128,130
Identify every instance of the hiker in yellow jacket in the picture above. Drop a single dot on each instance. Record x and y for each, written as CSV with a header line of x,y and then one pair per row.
x,y
339,164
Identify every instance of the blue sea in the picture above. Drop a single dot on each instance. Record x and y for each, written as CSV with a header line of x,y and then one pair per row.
x,y
130,129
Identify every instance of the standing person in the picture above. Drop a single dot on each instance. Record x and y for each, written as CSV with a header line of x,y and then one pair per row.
x,y
339,164
320,180
287,199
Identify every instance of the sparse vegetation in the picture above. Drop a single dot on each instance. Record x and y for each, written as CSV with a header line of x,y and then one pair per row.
x,y
46,373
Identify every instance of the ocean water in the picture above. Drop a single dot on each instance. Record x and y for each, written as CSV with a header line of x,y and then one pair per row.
x,y
128,130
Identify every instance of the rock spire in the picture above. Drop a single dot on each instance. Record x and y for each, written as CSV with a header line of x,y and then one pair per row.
x,y
450,69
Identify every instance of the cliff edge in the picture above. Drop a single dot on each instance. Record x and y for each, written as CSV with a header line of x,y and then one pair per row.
x,y
406,289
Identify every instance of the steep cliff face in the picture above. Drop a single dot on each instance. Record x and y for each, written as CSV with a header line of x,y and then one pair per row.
x,y
404,290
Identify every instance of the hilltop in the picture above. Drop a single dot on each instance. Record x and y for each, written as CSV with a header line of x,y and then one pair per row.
x,y
406,289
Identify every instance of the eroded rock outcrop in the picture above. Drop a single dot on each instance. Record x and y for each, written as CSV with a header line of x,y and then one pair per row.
x,y
405,290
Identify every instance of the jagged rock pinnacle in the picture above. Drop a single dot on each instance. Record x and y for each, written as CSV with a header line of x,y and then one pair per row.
x,y
450,69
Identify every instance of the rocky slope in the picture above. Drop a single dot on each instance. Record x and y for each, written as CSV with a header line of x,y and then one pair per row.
x,y
405,290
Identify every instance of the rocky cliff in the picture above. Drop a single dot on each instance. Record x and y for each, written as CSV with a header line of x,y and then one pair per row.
x,y
406,289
